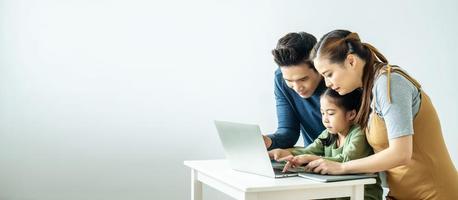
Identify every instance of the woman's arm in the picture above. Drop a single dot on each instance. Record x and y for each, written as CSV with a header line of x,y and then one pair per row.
x,y
398,116
399,153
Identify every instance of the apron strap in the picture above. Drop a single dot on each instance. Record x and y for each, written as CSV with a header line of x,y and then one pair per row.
x,y
388,69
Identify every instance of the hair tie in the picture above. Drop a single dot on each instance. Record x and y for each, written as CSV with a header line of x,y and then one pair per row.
x,y
350,48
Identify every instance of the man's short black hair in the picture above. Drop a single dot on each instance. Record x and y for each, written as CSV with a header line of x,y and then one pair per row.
x,y
294,49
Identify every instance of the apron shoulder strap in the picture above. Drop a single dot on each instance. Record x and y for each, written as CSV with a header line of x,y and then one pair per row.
x,y
388,69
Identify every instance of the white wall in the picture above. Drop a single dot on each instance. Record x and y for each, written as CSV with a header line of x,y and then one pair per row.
x,y
105,99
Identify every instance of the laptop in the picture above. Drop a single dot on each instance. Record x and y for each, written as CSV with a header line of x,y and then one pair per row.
x,y
333,178
246,152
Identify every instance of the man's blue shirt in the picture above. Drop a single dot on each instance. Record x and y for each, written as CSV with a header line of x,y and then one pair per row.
x,y
296,115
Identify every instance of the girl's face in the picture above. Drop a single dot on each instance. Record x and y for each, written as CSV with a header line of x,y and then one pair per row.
x,y
334,118
341,77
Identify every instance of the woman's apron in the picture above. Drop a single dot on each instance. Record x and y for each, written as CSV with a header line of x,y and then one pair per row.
x,y
430,174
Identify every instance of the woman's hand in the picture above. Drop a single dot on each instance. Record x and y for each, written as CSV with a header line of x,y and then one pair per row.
x,y
280,154
323,166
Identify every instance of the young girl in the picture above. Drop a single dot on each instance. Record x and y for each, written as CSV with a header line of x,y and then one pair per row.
x,y
341,141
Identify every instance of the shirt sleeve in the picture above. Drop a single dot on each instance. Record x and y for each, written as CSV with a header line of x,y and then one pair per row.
x,y
288,130
356,147
398,115
315,148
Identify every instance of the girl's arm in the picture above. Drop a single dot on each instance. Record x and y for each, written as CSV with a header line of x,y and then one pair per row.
x,y
355,147
316,148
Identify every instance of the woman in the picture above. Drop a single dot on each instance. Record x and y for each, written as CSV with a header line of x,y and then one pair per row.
x,y
401,123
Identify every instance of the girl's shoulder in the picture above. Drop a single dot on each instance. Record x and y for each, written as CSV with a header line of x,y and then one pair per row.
x,y
356,130
324,134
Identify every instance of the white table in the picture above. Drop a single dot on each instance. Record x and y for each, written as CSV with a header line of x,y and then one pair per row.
x,y
245,186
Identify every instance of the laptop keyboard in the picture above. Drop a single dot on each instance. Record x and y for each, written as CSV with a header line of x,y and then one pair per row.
x,y
279,172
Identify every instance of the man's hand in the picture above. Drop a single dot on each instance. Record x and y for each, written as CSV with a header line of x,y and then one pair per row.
x,y
267,141
280,154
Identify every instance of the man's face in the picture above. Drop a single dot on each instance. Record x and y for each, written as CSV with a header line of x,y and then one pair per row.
x,y
301,78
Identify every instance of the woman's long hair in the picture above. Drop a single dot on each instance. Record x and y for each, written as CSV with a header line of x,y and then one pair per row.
x,y
335,46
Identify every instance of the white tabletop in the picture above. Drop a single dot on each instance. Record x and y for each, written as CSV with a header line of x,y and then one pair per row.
x,y
220,170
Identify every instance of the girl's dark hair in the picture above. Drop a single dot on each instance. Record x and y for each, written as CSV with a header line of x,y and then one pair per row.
x,y
348,102
335,46
294,49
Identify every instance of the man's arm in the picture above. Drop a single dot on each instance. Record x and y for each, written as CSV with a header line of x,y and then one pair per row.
x,y
288,130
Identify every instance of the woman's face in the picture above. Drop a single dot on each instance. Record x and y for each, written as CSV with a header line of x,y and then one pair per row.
x,y
341,77
334,118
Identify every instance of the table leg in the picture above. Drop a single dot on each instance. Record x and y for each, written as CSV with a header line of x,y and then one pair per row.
x,y
196,186
358,192
250,196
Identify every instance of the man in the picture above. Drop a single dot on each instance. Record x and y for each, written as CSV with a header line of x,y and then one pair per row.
x,y
298,87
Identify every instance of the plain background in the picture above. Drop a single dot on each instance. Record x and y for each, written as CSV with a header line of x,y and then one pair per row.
x,y
105,99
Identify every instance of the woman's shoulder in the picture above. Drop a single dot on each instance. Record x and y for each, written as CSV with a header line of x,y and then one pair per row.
x,y
395,93
395,79
397,83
